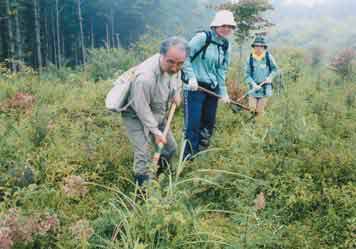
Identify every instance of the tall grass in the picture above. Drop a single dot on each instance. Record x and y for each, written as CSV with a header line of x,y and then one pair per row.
x,y
300,156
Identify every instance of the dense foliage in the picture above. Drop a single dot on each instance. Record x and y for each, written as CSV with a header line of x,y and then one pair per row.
x,y
285,181
42,32
65,175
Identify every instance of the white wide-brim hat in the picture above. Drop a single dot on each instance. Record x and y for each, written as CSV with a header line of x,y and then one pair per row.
x,y
223,17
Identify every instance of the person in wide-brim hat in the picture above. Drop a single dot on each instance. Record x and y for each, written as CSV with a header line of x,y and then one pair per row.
x,y
223,17
260,70
259,42
206,68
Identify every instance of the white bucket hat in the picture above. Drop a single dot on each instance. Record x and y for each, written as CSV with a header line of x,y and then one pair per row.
x,y
223,17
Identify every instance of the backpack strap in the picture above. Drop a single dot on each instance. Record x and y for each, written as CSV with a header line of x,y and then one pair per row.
x,y
208,41
252,69
204,47
268,62
184,77
225,48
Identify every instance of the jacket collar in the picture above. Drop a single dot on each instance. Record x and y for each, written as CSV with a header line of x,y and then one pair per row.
x,y
258,57
216,38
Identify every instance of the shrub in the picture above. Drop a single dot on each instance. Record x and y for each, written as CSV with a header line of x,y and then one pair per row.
x,y
105,63
342,63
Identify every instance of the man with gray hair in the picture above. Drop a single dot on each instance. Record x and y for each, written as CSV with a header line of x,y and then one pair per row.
x,y
157,83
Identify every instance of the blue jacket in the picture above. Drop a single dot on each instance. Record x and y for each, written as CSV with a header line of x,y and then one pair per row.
x,y
213,68
260,73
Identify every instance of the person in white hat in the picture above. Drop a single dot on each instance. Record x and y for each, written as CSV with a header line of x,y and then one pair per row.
x,y
206,67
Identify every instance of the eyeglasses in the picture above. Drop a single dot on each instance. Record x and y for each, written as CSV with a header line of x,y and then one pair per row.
x,y
228,26
172,62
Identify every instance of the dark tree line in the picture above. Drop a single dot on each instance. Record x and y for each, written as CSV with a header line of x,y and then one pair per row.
x,y
59,32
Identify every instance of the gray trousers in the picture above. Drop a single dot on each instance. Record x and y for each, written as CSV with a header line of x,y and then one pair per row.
x,y
141,141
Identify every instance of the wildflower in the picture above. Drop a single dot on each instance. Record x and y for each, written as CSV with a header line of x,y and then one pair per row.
x,y
260,201
74,186
22,100
82,230
15,227
5,238
25,229
20,228
342,63
46,224
10,219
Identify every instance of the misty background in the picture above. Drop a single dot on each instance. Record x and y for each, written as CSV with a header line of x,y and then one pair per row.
x,y
327,24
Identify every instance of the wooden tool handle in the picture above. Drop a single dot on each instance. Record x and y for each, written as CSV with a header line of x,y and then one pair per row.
x,y
218,96
157,154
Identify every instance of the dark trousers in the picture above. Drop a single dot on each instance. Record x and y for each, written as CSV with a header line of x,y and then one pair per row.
x,y
199,117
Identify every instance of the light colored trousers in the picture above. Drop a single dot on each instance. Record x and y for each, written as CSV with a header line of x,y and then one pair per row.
x,y
257,104
141,141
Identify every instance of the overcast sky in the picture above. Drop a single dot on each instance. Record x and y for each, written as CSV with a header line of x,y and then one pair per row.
x,y
309,3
